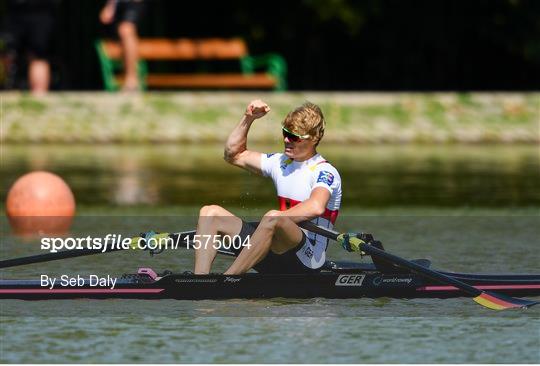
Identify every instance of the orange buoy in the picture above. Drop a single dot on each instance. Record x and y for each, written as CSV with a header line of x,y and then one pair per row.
x,y
40,203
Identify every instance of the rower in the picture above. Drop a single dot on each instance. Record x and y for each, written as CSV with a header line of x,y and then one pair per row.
x,y
308,188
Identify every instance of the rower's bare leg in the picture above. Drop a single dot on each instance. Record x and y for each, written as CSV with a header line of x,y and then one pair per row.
x,y
276,233
213,220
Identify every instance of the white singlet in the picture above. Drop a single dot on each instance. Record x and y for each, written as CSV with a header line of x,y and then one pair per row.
x,y
294,182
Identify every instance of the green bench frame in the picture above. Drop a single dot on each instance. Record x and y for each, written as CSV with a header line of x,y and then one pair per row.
x,y
273,64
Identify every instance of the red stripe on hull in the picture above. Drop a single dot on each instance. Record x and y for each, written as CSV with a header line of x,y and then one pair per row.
x,y
83,291
481,287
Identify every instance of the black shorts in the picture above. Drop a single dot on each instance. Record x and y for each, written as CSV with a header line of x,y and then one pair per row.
x,y
287,262
129,11
32,33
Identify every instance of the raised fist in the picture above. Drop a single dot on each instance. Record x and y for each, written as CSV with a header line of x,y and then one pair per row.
x,y
257,108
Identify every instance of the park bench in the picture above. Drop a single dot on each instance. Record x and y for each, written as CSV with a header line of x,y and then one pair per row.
x,y
253,72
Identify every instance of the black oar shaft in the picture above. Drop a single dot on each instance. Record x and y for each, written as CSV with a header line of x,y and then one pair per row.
x,y
420,269
371,250
310,226
490,300
47,257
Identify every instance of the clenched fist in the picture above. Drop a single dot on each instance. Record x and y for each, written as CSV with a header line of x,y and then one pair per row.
x,y
257,109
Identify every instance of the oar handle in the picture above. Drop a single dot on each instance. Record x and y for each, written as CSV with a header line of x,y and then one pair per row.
x,y
349,241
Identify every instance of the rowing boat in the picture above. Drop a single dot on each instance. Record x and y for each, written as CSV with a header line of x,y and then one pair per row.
x,y
337,280
388,276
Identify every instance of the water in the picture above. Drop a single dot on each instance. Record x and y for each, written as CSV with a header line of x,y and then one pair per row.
x,y
144,338
288,330
466,209
373,176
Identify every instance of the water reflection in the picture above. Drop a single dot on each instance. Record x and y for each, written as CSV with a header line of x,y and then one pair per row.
x,y
375,176
129,188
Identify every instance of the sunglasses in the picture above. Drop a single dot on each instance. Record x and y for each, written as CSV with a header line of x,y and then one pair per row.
x,y
294,137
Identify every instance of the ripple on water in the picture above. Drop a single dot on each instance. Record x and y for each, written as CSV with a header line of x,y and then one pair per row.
x,y
389,339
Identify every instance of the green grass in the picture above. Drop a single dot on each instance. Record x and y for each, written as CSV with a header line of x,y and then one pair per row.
x,y
209,117
30,105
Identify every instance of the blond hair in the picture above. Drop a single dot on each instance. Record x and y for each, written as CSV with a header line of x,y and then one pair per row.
x,y
307,119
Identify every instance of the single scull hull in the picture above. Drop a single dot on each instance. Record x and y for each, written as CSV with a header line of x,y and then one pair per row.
x,y
343,283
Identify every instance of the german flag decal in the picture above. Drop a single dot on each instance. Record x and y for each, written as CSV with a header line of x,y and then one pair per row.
x,y
501,302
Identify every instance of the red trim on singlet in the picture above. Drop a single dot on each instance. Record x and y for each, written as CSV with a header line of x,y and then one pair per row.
x,y
286,203
330,215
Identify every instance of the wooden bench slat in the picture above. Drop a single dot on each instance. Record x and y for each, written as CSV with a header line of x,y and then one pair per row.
x,y
182,49
210,81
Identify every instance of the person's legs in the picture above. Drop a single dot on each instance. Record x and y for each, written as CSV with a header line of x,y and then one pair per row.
x,y
40,29
213,220
127,32
39,76
276,233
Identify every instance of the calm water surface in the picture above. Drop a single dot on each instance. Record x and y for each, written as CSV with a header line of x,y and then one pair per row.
x,y
372,176
479,214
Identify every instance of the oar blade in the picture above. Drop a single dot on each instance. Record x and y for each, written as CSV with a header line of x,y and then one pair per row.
x,y
502,302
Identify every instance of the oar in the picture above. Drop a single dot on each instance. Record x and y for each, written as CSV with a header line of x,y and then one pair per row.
x,y
488,299
6,263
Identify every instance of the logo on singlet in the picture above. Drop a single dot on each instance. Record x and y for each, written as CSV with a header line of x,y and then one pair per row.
x,y
326,177
308,252
286,163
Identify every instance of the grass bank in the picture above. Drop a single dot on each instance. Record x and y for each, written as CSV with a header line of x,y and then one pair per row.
x,y
209,116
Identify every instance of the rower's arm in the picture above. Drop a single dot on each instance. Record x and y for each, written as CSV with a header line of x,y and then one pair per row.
x,y
313,207
236,152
